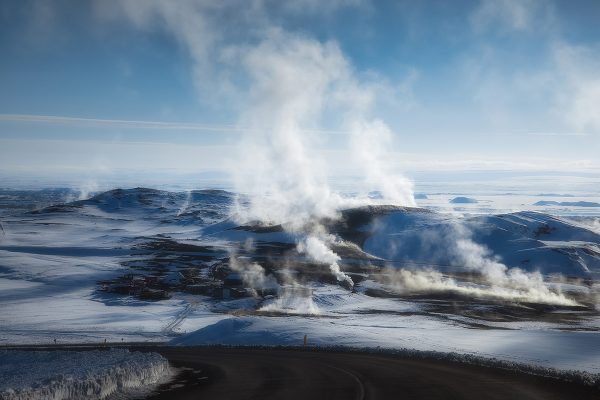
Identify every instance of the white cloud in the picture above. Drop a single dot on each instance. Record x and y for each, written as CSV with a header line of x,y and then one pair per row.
x,y
281,84
99,156
166,126
205,28
544,84
578,70
512,15
319,6
294,80
115,123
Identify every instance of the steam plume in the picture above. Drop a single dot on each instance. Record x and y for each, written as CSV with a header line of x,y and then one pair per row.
x,y
318,251
498,280
284,86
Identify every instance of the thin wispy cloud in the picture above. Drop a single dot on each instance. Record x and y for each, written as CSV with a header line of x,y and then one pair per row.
x,y
557,134
138,124
77,121
494,80
187,126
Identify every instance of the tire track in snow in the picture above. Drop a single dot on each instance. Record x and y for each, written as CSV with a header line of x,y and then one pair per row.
x,y
170,328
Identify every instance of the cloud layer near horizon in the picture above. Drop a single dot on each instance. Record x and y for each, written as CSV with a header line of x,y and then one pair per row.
x,y
499,83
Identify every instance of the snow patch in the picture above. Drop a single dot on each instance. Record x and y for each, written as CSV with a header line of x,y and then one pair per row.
x,y
235,330
78,374
463,200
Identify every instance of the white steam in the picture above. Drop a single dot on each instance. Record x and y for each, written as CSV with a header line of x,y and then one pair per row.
x,y
370,142
186,203
522,285
277,164
317,250
531,289
593,224
285,87
291,302
292,298
497,280
295,81
253,274
87,190
83,192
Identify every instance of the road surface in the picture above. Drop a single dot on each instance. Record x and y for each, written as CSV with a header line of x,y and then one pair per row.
x,y
234,373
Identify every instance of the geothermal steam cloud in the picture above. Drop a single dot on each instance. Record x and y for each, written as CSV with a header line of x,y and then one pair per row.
x,y
501,282
318,251
284,86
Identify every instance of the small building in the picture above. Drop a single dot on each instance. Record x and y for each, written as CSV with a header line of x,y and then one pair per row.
x,y
230,293
269,291
127,289
154,294
202,289
233,280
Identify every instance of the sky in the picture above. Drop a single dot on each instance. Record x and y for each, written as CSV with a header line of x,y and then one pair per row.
x,y
89,88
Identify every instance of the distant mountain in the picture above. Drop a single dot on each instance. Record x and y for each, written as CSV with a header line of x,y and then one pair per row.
x,y
567,203
463,200
398,236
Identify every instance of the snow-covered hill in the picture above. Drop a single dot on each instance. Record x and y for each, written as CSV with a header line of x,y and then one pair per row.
x,y
144,264
529,240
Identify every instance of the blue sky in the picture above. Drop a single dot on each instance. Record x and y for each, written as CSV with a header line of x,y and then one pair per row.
x,y
89,87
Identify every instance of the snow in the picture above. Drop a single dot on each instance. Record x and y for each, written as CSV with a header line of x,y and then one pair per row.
x,y
528,240
463,200
61,302
78,374
545,348
358,321
51,261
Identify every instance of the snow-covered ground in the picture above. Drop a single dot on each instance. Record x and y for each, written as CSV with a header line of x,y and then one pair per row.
x,y
30,375
52,260
540,347
349,319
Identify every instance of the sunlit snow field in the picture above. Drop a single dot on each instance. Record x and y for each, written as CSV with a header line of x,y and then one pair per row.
x,y
59,264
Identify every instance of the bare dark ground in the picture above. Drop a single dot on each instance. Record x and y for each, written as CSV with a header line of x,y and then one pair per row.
x,y
237,373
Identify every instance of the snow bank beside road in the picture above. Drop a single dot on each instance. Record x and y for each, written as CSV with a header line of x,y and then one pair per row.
x,y
542,348
77,374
